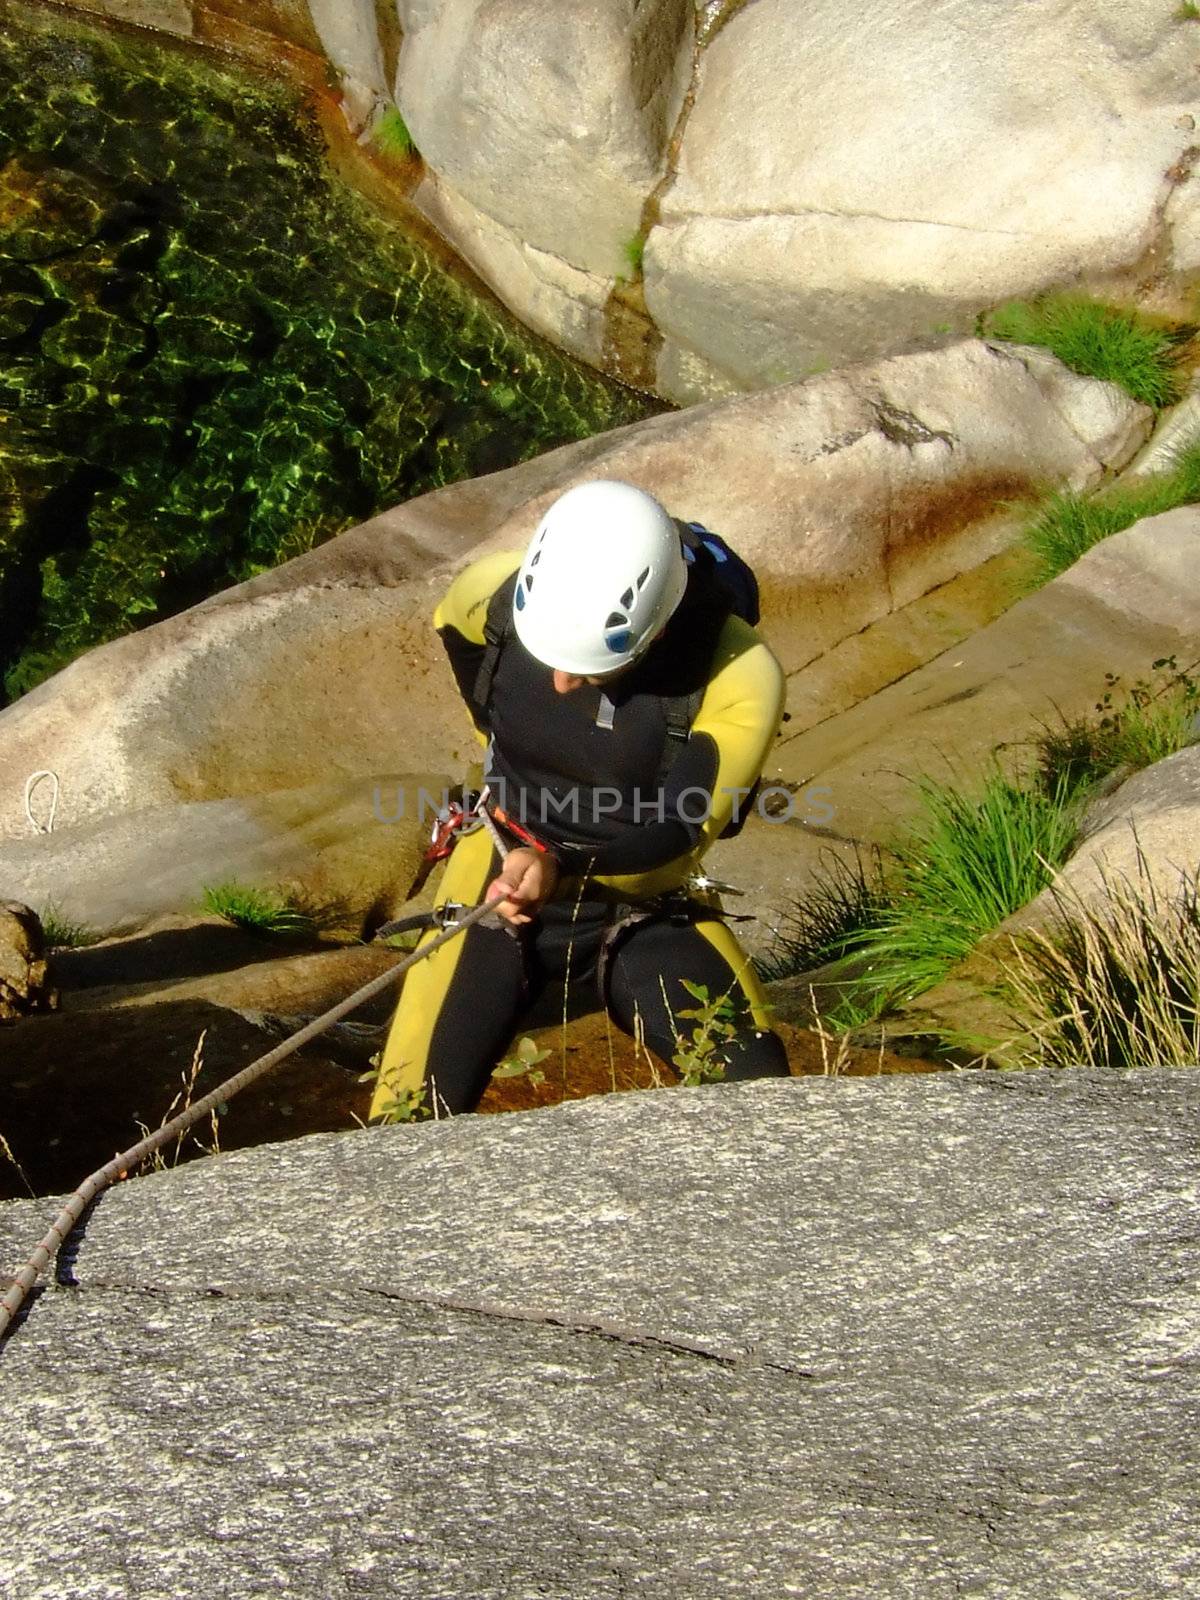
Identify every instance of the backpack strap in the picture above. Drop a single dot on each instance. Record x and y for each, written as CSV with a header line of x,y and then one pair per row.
x,y
679,711
497,630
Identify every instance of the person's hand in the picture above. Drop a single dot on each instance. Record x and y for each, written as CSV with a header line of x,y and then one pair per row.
x,y
527,880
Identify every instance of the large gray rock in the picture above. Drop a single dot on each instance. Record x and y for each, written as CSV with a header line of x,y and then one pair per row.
x,y
852,494
349,34
918,1338
348,848
1145,835
850,178
552,120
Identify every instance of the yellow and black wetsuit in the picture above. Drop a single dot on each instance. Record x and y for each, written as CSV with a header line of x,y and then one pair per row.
x,y
584,772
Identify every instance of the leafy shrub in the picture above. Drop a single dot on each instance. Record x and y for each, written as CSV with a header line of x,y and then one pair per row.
x,y
1099,341
700,1056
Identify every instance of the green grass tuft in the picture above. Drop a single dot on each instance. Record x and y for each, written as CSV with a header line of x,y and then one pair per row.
x,y
267,911
1099,341
390,135
63,933
1188,11
1067,525
843,901
966,863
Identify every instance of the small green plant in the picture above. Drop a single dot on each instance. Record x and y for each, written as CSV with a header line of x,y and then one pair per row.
x,y
699,1056
1188,11
633,251
524,1062
842,902
410,1105
63,932
967,862
391,135
267,911
1132,728
1113,986
1099,341
1067,525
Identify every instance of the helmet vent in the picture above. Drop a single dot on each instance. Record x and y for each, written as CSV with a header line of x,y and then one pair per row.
x,y
537,556
616,620
627,598
642,576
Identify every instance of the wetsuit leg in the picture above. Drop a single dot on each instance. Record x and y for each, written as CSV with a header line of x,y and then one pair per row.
x,y
458,1009
646,993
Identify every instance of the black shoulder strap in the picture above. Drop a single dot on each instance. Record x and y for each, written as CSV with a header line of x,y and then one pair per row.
x,y
497,630
679,710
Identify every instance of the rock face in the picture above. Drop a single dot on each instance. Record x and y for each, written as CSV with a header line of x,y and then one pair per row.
x,y
1127,602
23,982
1154,816
919,1337
511,103
836,183
850,178
351,847
852,495
788,187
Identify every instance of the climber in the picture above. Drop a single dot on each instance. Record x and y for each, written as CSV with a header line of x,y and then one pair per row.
x,y
627,708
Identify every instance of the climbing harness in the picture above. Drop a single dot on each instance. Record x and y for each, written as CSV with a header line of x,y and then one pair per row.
x,y
124,1163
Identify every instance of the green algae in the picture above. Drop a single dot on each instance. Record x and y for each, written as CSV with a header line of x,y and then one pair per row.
x,y
213,354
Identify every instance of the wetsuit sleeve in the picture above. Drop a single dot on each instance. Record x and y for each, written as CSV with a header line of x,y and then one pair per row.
x,y
459,620
731,737
741,712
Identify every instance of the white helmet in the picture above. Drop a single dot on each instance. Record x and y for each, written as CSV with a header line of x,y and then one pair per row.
x,y
601,577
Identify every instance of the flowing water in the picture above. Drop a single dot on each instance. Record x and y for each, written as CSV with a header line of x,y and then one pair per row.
x,y
214,354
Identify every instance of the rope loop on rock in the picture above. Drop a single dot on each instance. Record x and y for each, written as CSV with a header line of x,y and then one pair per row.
x,y
31,783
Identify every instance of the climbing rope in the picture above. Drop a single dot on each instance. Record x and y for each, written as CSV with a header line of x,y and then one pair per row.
x,y
31,784
121,1165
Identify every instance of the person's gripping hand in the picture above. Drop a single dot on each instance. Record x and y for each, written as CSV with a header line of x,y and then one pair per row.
x,y
526,881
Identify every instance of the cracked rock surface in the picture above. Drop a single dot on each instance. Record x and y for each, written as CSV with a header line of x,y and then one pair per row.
x,y
931,1337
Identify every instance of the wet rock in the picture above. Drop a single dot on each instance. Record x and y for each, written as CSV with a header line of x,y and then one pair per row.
x,y
46,211
24,986
168,16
